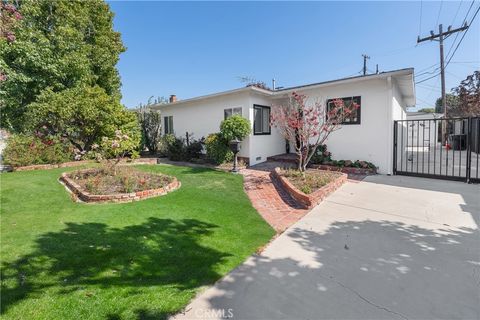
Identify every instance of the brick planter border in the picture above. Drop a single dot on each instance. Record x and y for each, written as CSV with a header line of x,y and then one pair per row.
x,y
347,170
309,200
85,196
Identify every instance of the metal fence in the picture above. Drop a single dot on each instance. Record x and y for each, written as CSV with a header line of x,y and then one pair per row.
x,y
438,148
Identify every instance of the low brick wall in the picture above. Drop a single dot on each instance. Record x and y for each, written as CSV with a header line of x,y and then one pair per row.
x,y
85,196
309,200
347,170
82,162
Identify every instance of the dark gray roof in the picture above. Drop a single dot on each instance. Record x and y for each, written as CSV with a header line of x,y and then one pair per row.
x,y
347,78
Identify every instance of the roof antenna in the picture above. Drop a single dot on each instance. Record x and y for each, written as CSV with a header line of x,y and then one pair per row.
x,y
273,84
377,69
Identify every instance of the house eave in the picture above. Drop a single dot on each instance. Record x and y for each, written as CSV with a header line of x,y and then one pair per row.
x,y
213,95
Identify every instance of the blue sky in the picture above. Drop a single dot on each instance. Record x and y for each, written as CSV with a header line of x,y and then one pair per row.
x,y
196,48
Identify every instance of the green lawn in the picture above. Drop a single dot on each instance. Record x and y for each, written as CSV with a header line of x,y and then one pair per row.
x,y
145,260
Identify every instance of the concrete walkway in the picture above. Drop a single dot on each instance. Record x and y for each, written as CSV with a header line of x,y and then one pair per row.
x,y
384,248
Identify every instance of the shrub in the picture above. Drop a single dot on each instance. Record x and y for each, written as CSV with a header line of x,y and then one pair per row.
x,y
150,122
321,155
217,149
176,150
163,144
235,127
194,149
24,150
351,164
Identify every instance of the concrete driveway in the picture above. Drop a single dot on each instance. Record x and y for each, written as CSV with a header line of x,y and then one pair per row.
x,y
385,248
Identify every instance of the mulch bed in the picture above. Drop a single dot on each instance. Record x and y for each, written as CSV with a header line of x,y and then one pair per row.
x,y
128,184
311,189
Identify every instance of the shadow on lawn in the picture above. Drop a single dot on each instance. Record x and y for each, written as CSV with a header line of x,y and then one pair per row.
x,y
155,253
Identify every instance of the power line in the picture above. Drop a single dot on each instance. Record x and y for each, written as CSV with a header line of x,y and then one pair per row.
x,y
428,72
440,37
431,89
470,8
439,11
420,24
464,21
456,13
433,65
428,78
424,101
463,36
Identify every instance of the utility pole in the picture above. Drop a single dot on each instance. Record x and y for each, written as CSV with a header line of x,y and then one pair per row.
x,y
442,36
365,57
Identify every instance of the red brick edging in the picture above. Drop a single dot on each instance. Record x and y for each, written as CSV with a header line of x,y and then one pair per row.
x,y
78,163
85,196
347,170
309,200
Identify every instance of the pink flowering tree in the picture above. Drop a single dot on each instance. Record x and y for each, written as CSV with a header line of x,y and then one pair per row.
x,y
308,126
112,150
9,16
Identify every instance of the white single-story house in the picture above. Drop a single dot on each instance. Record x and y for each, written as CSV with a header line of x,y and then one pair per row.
x,y
368,135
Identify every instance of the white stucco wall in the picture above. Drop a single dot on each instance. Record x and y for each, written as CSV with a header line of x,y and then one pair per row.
x,y
368,140
201,118
263,146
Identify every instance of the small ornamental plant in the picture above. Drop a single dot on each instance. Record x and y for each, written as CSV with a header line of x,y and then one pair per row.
x,y
307,126
235,127
112,150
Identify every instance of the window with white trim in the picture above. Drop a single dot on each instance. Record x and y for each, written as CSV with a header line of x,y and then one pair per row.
x,y
168,124
231,112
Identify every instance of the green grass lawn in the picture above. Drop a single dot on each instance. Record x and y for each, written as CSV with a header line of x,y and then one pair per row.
x,y
142,260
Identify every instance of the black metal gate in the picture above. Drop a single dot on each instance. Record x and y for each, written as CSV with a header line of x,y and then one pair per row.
x,y
418,149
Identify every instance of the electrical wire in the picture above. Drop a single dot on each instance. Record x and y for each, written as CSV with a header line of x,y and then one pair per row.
x,y
420,24
463,36
464,20
456,13
423,80
439,11
456,48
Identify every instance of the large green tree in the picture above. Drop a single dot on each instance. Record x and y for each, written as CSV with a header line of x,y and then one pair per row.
x,y
82,115
59,44
464,101
452,103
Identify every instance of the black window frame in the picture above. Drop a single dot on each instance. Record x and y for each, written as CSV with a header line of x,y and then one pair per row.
x,y
168,125
359,110
260,107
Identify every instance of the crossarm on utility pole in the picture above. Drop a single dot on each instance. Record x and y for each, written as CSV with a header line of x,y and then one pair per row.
x,y
442,36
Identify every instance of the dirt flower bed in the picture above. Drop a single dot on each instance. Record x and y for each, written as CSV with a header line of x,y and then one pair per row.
x,y
311,188
126,180
311,181
124,185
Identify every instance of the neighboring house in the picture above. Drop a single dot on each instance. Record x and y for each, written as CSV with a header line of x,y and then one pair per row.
x,y
415,115
368,134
